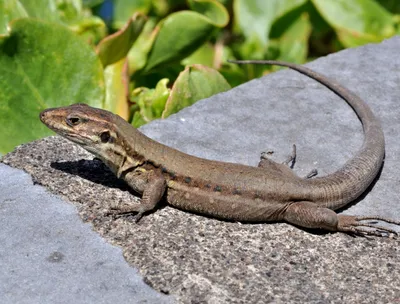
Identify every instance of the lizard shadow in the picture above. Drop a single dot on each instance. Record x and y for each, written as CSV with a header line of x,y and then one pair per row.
x,y
97,172
94,171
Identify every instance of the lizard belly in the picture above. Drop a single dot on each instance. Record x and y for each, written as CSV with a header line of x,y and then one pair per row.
x,y
236,207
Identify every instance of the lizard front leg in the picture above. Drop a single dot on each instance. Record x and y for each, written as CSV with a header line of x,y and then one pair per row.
x,y
310,215
153,188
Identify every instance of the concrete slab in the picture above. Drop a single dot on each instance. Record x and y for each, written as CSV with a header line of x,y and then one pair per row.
x,y
47,255
203,260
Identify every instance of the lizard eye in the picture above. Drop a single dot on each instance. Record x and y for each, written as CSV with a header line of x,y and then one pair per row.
x,y
105,136
73,121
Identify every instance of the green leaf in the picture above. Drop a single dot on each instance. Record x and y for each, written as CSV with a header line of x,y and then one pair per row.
x,y
151,102
232,72
117,88
194,83
212,9
116,46
357,22
124,9
161,8
10,10
69,13
43,65
323,40
138,120
392,6
140,49
69,9
45,10
183,32
293,44
91,28
203,55
254,19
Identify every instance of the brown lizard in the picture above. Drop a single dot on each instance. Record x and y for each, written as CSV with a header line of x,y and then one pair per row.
x,y
269,192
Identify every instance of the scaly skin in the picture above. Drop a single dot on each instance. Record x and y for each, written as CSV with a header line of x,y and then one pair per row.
x,y
269,192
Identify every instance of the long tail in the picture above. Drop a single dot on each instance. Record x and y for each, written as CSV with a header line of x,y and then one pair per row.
x,y
358,173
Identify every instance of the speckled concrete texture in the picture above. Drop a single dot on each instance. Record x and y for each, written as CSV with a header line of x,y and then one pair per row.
x,y
203,260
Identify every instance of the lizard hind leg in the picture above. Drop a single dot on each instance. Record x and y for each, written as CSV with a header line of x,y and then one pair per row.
x,y
275,168
309,215
285,168
291,159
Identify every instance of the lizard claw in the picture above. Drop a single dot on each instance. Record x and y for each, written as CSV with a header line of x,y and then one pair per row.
x,y
291,159
312,173
124,213
115,214
266,154
137,217
356,225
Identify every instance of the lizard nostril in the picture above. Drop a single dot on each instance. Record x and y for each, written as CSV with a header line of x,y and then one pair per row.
x,y
42,115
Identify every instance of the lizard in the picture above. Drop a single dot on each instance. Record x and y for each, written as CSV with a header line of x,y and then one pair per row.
x,y
268,193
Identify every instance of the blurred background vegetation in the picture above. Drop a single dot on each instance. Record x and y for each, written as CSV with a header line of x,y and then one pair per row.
x,y
147,59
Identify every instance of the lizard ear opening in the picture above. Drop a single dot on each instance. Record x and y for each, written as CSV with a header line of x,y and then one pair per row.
x,y
105,136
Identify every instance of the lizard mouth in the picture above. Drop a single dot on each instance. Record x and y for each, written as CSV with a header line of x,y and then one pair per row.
x,y
48,118
74,138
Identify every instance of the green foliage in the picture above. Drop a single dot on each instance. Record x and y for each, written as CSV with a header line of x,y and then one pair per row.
x,y
67,12
357,22
160,56
149,103
124,9
194,83
254,19
115,47
43,65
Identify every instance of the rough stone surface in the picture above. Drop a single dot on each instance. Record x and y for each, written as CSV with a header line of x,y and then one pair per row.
x,y
203,260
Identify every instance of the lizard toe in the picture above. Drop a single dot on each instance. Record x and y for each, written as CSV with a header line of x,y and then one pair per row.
x,y
356,225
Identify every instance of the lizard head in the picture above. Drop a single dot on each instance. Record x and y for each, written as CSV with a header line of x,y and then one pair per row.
x,y
91,128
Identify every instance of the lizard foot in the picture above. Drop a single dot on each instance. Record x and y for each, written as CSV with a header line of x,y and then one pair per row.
x,y
266,154
358,226
312,173
309,215
290,161
115,214
291,158
277,168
